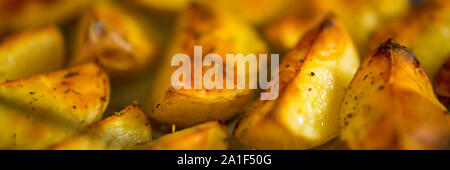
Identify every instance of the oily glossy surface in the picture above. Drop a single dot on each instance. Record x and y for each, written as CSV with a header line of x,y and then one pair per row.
x,y
313,78
41,110
123,129
390,104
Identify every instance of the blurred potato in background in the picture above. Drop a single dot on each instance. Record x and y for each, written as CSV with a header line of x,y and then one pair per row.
x,y
19,14
166,5
442,84
31,52
361,18
257,12
425,30
115,38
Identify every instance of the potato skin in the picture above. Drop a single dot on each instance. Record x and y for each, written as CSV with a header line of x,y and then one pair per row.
x,y
20,14
442,84
206,136
115,37
123,129
390,104
424,30
41,110
35,51
312,81
198,26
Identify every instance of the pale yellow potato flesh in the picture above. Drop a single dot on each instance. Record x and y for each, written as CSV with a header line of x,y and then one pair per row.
x,y
207,136
198,25
31,52
312,81
390,104
123,129
117,38
425,30
20,14
41,110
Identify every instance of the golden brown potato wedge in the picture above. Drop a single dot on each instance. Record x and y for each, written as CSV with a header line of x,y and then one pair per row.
x,y
390,104
361,18
312,81
41,110
18,14
207,136
123,129
442,84
31,52
425,31
217,33
116,38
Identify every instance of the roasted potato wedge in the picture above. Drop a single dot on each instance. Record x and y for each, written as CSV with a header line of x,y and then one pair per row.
x,y
116,38
442,84
424,30
217,33
312,81
361,18
390,104
41,110
123,129
31,52
207,136
18,14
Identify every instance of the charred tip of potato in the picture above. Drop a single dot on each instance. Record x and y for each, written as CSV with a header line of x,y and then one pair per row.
x,y
328,22
388,47
385,49
101,68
